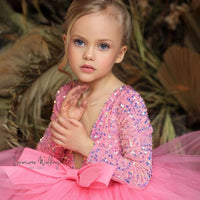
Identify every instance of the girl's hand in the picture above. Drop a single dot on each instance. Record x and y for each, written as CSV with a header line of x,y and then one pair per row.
x,y
71,106
71,134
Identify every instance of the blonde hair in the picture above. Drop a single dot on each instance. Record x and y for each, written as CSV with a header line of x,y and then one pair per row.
x,y
79,8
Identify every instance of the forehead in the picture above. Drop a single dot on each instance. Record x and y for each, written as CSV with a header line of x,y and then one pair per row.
x,y
99,24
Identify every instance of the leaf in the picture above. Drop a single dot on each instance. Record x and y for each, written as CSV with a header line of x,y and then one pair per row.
x,y
157,127
136,29
41,91
180,74
9,15
168,129
31,51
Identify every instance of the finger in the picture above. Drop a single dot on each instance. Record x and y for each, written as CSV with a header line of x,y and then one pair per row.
x,y
77,89
83,105
80,91
58,142
74,95
74,122
70,96
67,101
63,122
74,90
84,87
56,136
78,98
57,128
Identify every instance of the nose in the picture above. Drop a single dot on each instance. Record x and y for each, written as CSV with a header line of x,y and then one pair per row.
x,y
89,54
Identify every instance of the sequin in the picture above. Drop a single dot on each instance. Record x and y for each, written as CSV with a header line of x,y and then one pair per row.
x,y
121,105
122,136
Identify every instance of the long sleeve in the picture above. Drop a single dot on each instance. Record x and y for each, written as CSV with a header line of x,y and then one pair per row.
x,y
132,154
46,144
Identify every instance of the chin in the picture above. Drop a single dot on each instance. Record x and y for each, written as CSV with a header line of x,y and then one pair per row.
x,y
85,80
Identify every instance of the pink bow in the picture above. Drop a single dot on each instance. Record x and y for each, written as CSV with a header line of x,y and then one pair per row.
x,y
34,167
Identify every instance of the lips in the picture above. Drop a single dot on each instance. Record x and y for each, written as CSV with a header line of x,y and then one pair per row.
x,y
87,68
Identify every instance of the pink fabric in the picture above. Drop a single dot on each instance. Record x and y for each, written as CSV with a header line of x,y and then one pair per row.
x,y
175,176
33,163
120,166
122,136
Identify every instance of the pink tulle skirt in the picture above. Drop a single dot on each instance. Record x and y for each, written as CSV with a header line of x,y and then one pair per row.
x,y
27,174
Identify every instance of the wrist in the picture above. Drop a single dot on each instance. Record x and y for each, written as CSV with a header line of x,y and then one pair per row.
x,y
88,147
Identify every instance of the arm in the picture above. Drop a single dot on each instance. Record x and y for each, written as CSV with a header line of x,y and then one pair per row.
x,y
134,162
65,106
46,144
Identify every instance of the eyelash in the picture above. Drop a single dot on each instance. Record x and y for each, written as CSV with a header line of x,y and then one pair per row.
x,y
78,41
105,45
81,43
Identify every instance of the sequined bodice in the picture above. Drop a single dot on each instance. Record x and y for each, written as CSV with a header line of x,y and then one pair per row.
x,y
122,136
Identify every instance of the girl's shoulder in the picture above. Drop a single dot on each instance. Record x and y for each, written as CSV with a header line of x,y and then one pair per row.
x,y
129,101
129,94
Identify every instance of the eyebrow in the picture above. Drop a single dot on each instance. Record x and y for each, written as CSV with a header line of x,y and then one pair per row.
x,y
101,40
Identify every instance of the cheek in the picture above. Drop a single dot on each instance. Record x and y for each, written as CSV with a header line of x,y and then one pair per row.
x,y
71,55
108,60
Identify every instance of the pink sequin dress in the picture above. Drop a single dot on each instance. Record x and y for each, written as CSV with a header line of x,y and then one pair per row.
x,y
119,167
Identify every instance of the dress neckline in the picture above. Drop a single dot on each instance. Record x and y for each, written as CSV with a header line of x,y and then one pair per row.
x,y
92,132
76,83
105,105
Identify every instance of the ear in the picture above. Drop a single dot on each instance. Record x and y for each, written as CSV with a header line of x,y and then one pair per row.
x,y
64,38
121,54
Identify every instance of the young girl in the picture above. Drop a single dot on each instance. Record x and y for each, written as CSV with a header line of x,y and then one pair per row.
x,y
99,144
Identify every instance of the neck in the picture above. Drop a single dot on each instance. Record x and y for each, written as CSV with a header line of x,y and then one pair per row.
x,y
99,86
101,89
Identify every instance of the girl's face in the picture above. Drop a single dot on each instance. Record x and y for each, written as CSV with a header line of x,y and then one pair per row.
x,y
94,46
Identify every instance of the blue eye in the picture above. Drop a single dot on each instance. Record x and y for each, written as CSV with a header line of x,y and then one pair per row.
x,y
78,42
103,46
